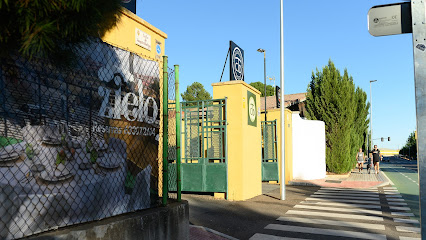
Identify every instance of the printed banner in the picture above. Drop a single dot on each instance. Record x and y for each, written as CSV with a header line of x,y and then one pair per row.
x,y
252,106
77,144
237,62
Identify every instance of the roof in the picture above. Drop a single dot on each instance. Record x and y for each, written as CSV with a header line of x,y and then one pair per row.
x,y
290,99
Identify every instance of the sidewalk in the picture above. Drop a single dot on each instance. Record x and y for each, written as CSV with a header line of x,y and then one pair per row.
x,y
201,233
354,179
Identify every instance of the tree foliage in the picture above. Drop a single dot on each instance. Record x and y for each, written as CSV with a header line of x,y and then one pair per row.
x,y
44,27
261,87
333,98
410,148
195,92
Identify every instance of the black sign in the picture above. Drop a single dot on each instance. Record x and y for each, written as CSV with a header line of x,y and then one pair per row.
x,y
237,62
278,96
130,5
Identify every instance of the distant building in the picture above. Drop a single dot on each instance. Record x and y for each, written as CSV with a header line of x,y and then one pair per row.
x,y
294,102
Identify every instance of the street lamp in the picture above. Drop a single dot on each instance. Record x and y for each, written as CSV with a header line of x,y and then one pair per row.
x,y
371,116
264,73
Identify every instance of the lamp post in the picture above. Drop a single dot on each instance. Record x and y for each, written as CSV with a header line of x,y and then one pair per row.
x,y
264,74
371,117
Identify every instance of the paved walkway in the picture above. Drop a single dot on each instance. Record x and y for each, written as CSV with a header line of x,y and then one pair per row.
x,y
354,179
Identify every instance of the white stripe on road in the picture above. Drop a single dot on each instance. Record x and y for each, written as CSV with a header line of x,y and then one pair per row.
x,y
334,215
407,229
334,191
349,189
395,199
402,220
397,203
342,200
395,196
333,223
392,193
354,210
408,238
329,232
405,214
342,204
389,188
347,194
260,236
400,208
346,197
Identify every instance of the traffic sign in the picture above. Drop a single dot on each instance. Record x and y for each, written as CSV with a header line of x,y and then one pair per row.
x,y
390,19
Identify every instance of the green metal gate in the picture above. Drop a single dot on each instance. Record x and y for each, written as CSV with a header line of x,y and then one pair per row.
x,y
269,151
204,161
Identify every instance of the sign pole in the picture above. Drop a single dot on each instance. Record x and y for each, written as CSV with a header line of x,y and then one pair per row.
x,y
282,107
419,42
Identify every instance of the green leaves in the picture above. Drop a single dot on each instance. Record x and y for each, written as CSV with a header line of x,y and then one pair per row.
x,y
332,98
196,92
45,27
261,87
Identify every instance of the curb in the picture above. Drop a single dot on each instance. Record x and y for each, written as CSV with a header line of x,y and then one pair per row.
x,y
215,232
292,183
388,180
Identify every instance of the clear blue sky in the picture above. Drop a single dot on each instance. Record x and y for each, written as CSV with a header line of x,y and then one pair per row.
x,y
315,31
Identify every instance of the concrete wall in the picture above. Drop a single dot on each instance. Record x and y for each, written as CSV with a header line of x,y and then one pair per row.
x,y
171,222
308,148
244,140
275,114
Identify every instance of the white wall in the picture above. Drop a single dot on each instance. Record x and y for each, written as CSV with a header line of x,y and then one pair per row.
x,y
308,148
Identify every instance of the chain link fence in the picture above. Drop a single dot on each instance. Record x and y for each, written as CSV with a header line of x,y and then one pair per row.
x,y
77,143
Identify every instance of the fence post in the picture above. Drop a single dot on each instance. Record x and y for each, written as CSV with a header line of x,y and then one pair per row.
x,y
178,135
165,131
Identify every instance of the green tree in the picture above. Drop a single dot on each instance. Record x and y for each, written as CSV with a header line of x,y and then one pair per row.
x,y
410,148
45,27
195,92
261,87
332,98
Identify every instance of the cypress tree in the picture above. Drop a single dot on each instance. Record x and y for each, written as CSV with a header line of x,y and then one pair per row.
x,y
332,98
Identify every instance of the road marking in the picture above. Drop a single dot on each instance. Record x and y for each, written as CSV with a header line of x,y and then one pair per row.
x,y
334,215
347,194
344,200
405,214
345,197
397,203
389,188
402,220
407,229
342,204
333,223
408,238
354,210
350,189
395,199
400,208
395,196
330,232
260,236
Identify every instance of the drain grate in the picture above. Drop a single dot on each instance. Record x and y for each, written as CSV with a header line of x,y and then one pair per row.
x,y
333,181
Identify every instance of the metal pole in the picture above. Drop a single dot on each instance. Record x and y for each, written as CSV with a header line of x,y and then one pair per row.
x,y
165,131
419,36
371,116
178,135
264,76
282,189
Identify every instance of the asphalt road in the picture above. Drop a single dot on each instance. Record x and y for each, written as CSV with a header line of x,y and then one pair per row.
x,y
404,175
308,213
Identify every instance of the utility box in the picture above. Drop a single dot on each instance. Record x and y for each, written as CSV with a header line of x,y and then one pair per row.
x,y
244,138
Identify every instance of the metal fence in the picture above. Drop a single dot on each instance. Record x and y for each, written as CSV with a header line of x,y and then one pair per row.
x,y
77,143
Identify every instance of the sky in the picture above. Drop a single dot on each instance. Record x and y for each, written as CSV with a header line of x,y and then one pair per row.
x,y
314,32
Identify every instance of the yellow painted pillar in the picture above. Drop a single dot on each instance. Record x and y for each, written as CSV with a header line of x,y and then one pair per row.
x,y
244,138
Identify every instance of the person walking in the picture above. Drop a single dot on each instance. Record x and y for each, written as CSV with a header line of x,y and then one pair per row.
x,y
360,159
377,157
